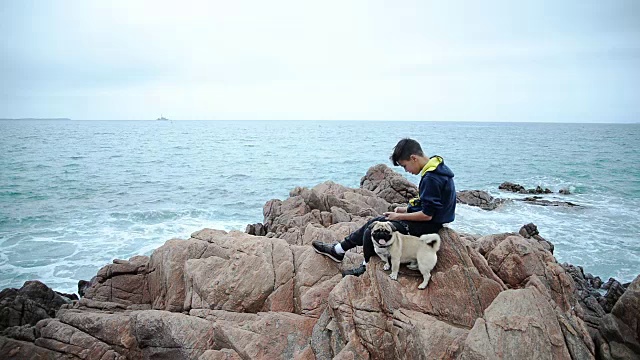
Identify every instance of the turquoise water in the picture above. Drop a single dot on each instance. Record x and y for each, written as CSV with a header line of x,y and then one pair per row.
x,y
76,194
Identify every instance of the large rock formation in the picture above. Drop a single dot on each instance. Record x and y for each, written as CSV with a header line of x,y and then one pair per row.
x,y
220,295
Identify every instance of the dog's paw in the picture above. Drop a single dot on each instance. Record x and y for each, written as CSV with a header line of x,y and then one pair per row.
x,y
394,276
422,286
386,267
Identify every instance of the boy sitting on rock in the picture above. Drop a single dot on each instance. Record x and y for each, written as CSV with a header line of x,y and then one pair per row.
x,y
435,206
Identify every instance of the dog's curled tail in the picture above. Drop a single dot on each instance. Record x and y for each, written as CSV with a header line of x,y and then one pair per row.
x,y
432,240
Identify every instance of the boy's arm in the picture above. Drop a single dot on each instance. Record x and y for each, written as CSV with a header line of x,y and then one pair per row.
x,y
416,216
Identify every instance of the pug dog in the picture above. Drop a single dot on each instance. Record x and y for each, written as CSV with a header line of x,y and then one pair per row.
x,y
396,248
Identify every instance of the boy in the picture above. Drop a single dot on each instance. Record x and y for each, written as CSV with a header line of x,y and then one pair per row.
x,y
435,206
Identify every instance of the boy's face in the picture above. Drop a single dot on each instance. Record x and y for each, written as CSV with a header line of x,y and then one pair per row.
x,y
411,166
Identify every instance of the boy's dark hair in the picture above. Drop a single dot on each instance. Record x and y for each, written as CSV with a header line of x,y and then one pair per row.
x,y
404,149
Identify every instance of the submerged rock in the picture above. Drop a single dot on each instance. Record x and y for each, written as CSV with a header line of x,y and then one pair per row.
x,y
538,200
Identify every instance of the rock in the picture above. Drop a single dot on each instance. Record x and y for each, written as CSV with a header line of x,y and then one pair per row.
x,y
324,205
224,354
614,292
315,278
487,243
613,318
512,328
29,304
388,184
123,282
508,186
565,191
530,231
237,272
620,342
363,306
256,229
437,339
478,198
540,190
596,282
24,332
517,188
84,285
15,349
515,259
537,200
627,308
271,335
138,334
161,334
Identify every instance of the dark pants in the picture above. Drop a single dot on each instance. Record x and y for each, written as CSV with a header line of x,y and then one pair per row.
x,y
362,236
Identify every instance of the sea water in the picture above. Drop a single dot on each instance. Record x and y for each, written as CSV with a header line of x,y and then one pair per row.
x,y
74,195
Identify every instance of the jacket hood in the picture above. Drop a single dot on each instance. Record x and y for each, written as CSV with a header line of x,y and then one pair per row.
x,y
436,166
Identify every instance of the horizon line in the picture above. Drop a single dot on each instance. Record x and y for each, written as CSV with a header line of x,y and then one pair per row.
x,y
354,120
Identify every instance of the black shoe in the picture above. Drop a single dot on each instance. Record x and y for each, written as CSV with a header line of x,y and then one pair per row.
x,y
327,250
355,272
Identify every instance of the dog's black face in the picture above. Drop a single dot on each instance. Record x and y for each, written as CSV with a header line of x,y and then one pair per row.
x,y
381,235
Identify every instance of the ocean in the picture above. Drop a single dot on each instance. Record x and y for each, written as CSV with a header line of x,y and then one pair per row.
x,y
74,195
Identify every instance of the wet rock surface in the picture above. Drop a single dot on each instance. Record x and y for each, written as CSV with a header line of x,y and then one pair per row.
x,y
538,200
517,188
234,295
478,198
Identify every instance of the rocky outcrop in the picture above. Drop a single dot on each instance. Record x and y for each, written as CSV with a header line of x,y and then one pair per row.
x,y
324,206
509,186
612,318
388,185
232,295
478,198
538,200
530,231
517,188
31,303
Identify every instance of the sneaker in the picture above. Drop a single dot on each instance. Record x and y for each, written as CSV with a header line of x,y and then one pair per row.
x,y
327,250
355,272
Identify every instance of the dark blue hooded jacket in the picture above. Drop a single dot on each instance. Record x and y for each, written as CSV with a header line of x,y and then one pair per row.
x,y
437,192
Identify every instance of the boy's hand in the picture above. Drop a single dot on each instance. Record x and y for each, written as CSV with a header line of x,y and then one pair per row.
x,y
392,215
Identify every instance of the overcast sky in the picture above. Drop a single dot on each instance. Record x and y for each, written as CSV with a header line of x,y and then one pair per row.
x,y
559,61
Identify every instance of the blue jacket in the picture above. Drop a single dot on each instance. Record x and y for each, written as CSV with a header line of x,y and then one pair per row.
x,y
437,192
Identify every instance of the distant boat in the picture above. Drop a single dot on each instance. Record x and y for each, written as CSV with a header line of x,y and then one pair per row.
x,y
162,118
